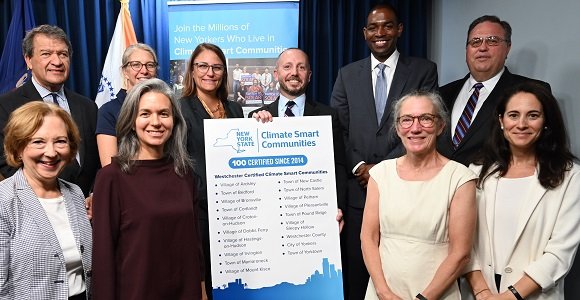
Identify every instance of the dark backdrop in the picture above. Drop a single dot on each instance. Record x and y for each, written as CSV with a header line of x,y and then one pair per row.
x,y
330,32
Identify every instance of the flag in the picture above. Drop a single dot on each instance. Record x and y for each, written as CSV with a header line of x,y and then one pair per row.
x,y
13,72
124,36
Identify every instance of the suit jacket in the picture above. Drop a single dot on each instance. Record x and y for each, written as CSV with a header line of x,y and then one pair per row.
x,y
546,239
194,113
312,108
32,264
84,114
479,130
353,98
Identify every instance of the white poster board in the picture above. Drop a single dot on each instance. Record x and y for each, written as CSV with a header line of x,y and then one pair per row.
x,y
272,208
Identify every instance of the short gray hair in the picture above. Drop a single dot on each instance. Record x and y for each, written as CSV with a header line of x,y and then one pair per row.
x,y
51,31
132,48
129,143
436,100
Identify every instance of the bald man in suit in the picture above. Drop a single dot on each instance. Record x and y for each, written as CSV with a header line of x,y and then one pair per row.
x,y
293,73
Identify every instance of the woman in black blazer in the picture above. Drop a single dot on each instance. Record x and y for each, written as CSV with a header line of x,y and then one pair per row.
x,y
205,96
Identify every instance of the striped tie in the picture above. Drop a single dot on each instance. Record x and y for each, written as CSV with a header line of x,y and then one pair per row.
x,y
288,112
465,119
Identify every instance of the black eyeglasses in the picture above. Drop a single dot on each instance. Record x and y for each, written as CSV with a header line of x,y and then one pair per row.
x,y
204,68
491,41
137,65
426,120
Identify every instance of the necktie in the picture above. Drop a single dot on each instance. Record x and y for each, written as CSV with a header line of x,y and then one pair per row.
x,y
54,98
466,116
380,92
288,112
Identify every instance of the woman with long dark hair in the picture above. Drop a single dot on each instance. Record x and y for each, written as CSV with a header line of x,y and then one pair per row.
x,y
528,195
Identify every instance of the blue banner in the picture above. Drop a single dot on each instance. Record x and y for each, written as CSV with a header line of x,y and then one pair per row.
x,y
242,30
13,71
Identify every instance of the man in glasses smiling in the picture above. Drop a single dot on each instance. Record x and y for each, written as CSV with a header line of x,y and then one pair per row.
x,y
472,99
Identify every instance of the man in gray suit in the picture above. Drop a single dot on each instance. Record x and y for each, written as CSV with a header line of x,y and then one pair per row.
x,y
47,51
364,110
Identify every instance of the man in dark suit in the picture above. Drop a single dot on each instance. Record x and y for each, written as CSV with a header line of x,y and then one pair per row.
x,y
366,116
487,48
47,52
293,73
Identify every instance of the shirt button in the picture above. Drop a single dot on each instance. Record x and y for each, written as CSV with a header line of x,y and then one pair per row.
x,y
508,270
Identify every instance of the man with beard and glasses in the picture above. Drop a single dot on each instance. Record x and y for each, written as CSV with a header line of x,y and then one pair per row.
x,y
293,74
363,95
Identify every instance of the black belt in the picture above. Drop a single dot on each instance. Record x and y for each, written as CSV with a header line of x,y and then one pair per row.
x,y
81,296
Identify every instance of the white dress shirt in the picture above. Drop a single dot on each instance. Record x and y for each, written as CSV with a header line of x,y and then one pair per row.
x,y
466,92
298,109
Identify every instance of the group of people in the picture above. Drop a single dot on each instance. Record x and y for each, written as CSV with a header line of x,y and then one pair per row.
x,y
474,179
254,89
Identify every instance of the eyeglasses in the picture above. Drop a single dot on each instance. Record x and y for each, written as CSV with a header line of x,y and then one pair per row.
x,y
137,65
204,68
491,41
426,120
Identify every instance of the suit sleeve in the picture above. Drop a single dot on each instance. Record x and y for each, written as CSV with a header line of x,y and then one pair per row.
x,y
339,162
339,101
559,253
431,80
106,229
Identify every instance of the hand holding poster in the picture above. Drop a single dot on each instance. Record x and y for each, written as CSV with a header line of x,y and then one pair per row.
x,y
272,205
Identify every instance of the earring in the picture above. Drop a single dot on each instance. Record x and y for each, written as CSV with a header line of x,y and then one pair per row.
x,y
501,127
546,127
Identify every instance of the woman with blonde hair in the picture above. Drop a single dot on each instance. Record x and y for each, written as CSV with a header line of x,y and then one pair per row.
x,y
45,234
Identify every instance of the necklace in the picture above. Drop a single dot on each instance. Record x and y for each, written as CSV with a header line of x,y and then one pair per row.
x,y
217,113
217,107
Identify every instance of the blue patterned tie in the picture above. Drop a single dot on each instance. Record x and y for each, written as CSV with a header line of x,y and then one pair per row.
x,y
288,112
465,120
380,92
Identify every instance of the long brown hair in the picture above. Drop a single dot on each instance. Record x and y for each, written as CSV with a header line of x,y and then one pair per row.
x,y
189,87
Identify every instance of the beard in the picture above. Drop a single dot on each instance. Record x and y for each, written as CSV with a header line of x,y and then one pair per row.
x,y
295,92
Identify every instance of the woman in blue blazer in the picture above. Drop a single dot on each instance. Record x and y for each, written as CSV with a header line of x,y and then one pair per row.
x,y
45,235
528,201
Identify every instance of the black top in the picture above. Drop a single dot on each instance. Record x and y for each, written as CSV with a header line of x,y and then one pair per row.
x,y
194,114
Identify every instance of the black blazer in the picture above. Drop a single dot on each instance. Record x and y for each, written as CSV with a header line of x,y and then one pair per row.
x,y
479,130
194,114
84,113
318,109
353,98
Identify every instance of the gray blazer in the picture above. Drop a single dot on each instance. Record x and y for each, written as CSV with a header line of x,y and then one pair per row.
x,y
366,139
32,264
